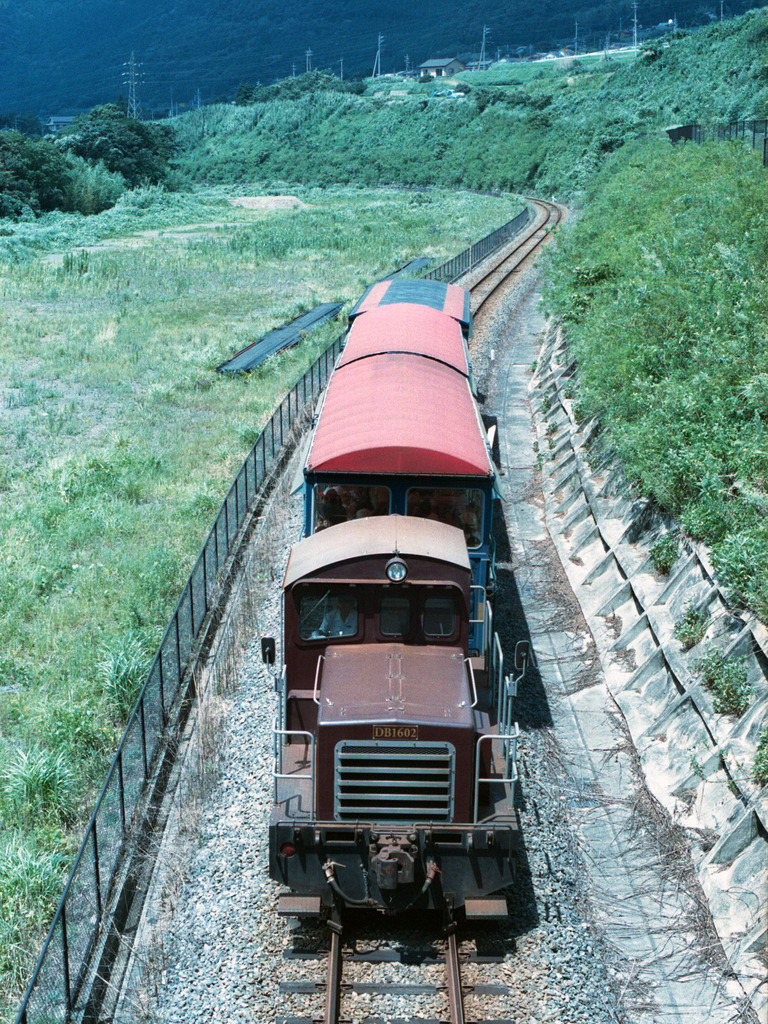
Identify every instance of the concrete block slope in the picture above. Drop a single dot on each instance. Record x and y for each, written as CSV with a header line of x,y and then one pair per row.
x,y
697,762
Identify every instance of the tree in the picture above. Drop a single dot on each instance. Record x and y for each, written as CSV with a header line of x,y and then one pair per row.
x,y
246,93
28,122
33,174
136,149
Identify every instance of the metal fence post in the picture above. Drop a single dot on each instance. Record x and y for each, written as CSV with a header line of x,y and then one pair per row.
x,y
144,739
121,789
192,600
65,952
96,868
205,571
164,714
178,634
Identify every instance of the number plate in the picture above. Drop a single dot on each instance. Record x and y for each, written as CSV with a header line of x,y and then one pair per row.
x,y
395,732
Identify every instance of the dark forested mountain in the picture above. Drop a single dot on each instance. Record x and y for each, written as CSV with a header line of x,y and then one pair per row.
x,y
59,55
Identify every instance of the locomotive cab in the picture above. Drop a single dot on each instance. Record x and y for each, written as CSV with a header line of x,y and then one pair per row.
x,y
393,765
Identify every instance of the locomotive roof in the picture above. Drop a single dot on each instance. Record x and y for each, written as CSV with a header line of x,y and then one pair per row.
x,y
377,535
403,327
447,298
399,413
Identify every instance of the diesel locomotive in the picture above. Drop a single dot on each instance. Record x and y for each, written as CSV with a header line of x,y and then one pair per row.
x,y
394,738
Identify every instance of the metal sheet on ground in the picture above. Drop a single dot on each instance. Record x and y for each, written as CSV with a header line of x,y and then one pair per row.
x,y
282,337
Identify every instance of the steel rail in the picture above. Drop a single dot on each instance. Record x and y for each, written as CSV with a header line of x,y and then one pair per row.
x,y
453,980
525,246
333,975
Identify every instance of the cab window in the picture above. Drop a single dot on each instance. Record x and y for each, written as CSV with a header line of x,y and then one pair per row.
x,y
395,615
338,503
457,506
325,613
438,616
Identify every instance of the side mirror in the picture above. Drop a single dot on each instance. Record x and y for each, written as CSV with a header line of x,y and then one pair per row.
x,y
522,654
268,650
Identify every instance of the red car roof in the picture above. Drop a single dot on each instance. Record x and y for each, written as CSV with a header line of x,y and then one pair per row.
x,y
399,413
407,328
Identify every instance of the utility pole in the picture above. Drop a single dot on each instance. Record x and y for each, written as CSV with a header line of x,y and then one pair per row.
x,y
721,10
407,65
634,24
308,55
486,31
341,66
293,73
576,39
377,62
130,76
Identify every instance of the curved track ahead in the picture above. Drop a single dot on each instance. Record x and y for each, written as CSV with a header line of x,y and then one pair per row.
x,y
516,258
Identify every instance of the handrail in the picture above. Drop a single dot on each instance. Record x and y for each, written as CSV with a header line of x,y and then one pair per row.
x,y
510,762
468,662
279,775
320,658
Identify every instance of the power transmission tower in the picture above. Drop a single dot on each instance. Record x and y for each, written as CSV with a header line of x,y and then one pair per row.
x,y
377,62
309,60
293,75
131,76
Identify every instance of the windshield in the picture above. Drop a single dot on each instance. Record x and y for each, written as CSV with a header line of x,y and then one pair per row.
x,y
328,614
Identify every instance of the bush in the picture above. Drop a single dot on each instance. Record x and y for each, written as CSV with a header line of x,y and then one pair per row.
x,y
760,764
34,176
40,781
137,150
690,629
727,679
30,884
664,553
123,667
671,346
92,188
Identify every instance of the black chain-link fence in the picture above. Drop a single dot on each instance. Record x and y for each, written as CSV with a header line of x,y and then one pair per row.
x,y
468,259
57,992
754,133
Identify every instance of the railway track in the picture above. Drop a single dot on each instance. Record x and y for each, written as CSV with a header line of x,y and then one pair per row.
x,y
515,259
347,947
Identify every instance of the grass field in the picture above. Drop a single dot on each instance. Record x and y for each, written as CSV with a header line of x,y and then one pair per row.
x,y
119,441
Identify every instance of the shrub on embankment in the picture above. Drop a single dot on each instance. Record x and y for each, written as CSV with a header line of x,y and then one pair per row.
x,y
663,286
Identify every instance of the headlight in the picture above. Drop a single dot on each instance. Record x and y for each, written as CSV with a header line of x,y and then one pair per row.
x,y
396,570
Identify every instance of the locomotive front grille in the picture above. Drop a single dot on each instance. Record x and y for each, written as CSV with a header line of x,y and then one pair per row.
x,y
394,781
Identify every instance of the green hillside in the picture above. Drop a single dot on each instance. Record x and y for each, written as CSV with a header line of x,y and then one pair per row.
x,y
549,129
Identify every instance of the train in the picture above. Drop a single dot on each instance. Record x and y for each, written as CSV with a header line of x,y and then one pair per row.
x,y
394,739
